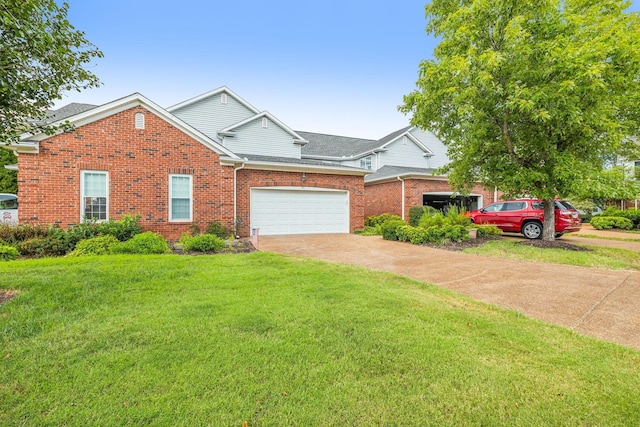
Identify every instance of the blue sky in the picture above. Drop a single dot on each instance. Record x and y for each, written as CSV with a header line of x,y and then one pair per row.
x,y
337,67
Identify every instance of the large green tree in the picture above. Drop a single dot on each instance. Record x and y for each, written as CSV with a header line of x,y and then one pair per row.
x,y
41,56
8,179
530,96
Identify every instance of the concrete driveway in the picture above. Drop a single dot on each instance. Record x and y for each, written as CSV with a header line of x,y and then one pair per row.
x,y
597,302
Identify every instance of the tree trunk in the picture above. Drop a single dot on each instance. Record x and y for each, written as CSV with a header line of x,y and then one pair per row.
x,y
549,226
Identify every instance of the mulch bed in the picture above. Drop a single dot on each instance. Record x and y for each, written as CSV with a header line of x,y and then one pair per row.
x,y
240,246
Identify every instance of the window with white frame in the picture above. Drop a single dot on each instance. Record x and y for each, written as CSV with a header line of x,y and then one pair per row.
x,y
365,162
94,195
180,198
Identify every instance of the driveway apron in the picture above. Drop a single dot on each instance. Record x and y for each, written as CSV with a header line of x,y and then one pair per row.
x,y
602,303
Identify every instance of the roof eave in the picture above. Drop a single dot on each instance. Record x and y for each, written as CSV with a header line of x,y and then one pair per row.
x,y
292,167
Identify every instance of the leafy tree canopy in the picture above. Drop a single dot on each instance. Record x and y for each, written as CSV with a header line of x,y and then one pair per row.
x,y
41,56
530,96
8,179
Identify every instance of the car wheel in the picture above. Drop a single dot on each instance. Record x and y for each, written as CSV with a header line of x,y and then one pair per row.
x,y
532,230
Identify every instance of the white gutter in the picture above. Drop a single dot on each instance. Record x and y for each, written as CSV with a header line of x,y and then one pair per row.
x,y
402,180
235,196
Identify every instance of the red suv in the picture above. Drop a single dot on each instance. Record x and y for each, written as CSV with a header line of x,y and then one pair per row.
x,y
527,217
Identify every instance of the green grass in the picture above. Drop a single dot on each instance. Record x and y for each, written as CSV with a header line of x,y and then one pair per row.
x,y
600,257
277,341
619,239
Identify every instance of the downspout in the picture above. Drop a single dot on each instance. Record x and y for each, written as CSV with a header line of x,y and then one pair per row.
x,y
235,197
402,180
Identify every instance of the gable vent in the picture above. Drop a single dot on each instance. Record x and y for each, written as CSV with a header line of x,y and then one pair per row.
x,y
223,98
139,119
265,121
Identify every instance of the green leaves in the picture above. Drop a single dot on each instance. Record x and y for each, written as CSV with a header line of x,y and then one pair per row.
x,y
530,96
41,56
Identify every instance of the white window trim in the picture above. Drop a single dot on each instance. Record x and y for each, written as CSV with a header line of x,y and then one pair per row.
x,y
82,196
190,219
367,162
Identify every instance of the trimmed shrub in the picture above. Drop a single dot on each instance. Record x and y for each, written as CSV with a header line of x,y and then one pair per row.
x,y
203,243
378,220
14,234
8,253
100,245
435,234
42,247
145,243
390,229
487,230
608,222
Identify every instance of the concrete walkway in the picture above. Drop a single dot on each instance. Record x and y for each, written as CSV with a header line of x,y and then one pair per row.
x,y
597,302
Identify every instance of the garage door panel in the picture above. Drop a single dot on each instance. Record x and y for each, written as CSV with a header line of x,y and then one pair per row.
x,y
290,211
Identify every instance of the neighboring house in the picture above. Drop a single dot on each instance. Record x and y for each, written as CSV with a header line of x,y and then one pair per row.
x,y
403,165
211,158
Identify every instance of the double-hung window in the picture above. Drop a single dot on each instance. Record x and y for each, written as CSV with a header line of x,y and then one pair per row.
x,y
94,195
365,162
180,198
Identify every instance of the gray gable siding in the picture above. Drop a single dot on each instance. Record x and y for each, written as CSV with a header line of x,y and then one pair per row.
x,y
270,141
400,154
434,145
209,115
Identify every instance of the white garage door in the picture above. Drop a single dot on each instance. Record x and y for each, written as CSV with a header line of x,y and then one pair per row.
x,y
292,211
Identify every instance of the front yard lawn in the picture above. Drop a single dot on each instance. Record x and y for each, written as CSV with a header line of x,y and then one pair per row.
x,y
593,256
274,340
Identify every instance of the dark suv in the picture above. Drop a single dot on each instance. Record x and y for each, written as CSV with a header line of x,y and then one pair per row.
x,y
527,217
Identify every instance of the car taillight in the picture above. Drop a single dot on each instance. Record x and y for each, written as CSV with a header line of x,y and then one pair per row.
x,y
565,212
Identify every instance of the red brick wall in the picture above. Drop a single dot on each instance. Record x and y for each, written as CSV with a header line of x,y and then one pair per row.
x,y
139,162
387,197
248,178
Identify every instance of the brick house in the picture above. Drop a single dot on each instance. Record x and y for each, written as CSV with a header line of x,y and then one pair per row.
x,y
131,156
215,157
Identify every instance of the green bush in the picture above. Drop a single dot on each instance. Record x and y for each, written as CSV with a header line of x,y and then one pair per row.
x,y
435,219
14,234
390,229
435,234
416,212
487,230
123,229
145,243
456,216
217,229
203,243
378,220
631,214
8,253
608,222
100,245
42,247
